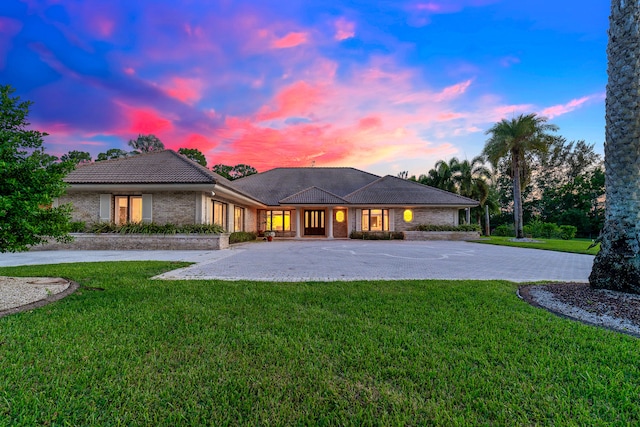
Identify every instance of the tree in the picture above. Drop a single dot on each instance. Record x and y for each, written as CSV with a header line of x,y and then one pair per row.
x,y
441,176
472,179
30,180
515,140
194,154
77,157
617,265
234,172
113,153
146,144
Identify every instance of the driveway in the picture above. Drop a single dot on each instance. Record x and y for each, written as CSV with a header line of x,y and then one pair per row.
x,y
322,260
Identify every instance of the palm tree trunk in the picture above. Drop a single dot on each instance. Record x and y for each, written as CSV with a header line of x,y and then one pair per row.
x,y
517,201
617,265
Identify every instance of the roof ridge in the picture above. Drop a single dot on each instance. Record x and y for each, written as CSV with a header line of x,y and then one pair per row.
x,y
310,188
435,188
364,187
201,169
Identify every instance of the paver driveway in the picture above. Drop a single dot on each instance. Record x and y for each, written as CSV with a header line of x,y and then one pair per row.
x,y
324,260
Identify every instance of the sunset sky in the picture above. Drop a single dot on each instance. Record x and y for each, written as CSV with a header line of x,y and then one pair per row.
x,y
384,86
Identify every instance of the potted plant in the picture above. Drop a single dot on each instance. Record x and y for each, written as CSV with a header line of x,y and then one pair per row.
x,y
269,235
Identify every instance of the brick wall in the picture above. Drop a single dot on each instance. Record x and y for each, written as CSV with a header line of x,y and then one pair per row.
x,y
86,206
433,216
89,241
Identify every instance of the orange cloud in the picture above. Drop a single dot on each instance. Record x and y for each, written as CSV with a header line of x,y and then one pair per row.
x,y
148,122
290,40
344,29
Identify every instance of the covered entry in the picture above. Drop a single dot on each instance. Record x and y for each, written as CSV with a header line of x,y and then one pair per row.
x,y
314,222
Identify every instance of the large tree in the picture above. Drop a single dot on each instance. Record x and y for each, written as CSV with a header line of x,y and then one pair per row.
x,y
146,144
30,180
516,140
112,153
617,265
77,157
194,154
234,172
441,176
473,180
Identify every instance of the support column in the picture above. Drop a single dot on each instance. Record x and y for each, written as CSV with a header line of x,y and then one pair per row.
x,y
298,234
330,218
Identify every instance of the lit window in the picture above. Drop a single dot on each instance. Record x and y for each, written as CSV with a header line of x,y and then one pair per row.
x,y
375,220
407,215
128,209
340,216
238,219
220,214
278,220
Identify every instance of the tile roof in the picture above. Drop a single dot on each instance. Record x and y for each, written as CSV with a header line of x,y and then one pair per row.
x,y
277,184
160,167
391,190
313,196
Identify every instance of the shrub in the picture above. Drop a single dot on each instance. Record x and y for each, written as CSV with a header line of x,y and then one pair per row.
x,y
504,230
377,235
78,226
568,232
242,236
431,227
152,228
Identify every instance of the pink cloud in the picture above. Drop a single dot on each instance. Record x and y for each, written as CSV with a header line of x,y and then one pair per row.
x,y
147,121
296,99
188,91
558,110
344,29
290,40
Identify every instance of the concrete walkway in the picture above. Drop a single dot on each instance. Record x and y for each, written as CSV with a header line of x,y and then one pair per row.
x,y
323,260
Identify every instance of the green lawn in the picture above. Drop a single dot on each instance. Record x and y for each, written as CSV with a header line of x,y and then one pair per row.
x,y
578,246
166,353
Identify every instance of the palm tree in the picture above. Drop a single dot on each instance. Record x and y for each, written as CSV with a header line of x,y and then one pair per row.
x,y
617,265
441,176
145,144
472,180
514,140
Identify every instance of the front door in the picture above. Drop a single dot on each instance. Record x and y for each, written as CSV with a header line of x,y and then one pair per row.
x,y
314,223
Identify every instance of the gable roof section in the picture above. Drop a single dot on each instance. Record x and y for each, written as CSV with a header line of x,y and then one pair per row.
x,y
313,196
161,167
272,186
391,190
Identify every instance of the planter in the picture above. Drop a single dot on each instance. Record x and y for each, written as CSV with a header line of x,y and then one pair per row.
x,y
441,235
116,241
269,235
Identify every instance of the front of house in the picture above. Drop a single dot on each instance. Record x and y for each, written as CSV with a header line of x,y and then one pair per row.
x,y
166,187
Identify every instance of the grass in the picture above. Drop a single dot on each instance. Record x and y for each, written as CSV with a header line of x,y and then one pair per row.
x,y
577,246
143,352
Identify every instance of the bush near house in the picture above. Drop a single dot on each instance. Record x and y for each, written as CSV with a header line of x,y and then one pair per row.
x,y
376,235
432,227
242,236
153,228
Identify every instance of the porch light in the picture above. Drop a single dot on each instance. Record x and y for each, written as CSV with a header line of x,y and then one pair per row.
x,y
340,216
407,215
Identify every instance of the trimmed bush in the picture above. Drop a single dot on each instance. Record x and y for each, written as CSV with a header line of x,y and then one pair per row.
x,y
376,235
431,227
242,236
568,232
78,227
152,228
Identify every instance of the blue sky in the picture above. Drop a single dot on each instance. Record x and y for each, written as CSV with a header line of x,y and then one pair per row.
x,y
383,86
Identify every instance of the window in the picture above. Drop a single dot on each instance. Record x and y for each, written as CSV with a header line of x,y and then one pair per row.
x,y
238,219
278,220
128,209
220,214
375,220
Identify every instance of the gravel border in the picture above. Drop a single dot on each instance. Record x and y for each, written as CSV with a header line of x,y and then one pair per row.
x,y
73,286
615,311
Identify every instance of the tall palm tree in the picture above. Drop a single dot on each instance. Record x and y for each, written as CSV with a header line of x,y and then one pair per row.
x,y
514,140
617,265
145,144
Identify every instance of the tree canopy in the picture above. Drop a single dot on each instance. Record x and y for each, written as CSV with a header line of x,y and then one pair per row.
x,y
77,157
113,153
145,144
194,154
30,180
234,172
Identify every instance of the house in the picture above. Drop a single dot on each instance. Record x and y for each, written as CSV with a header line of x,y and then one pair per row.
x,y
166,187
